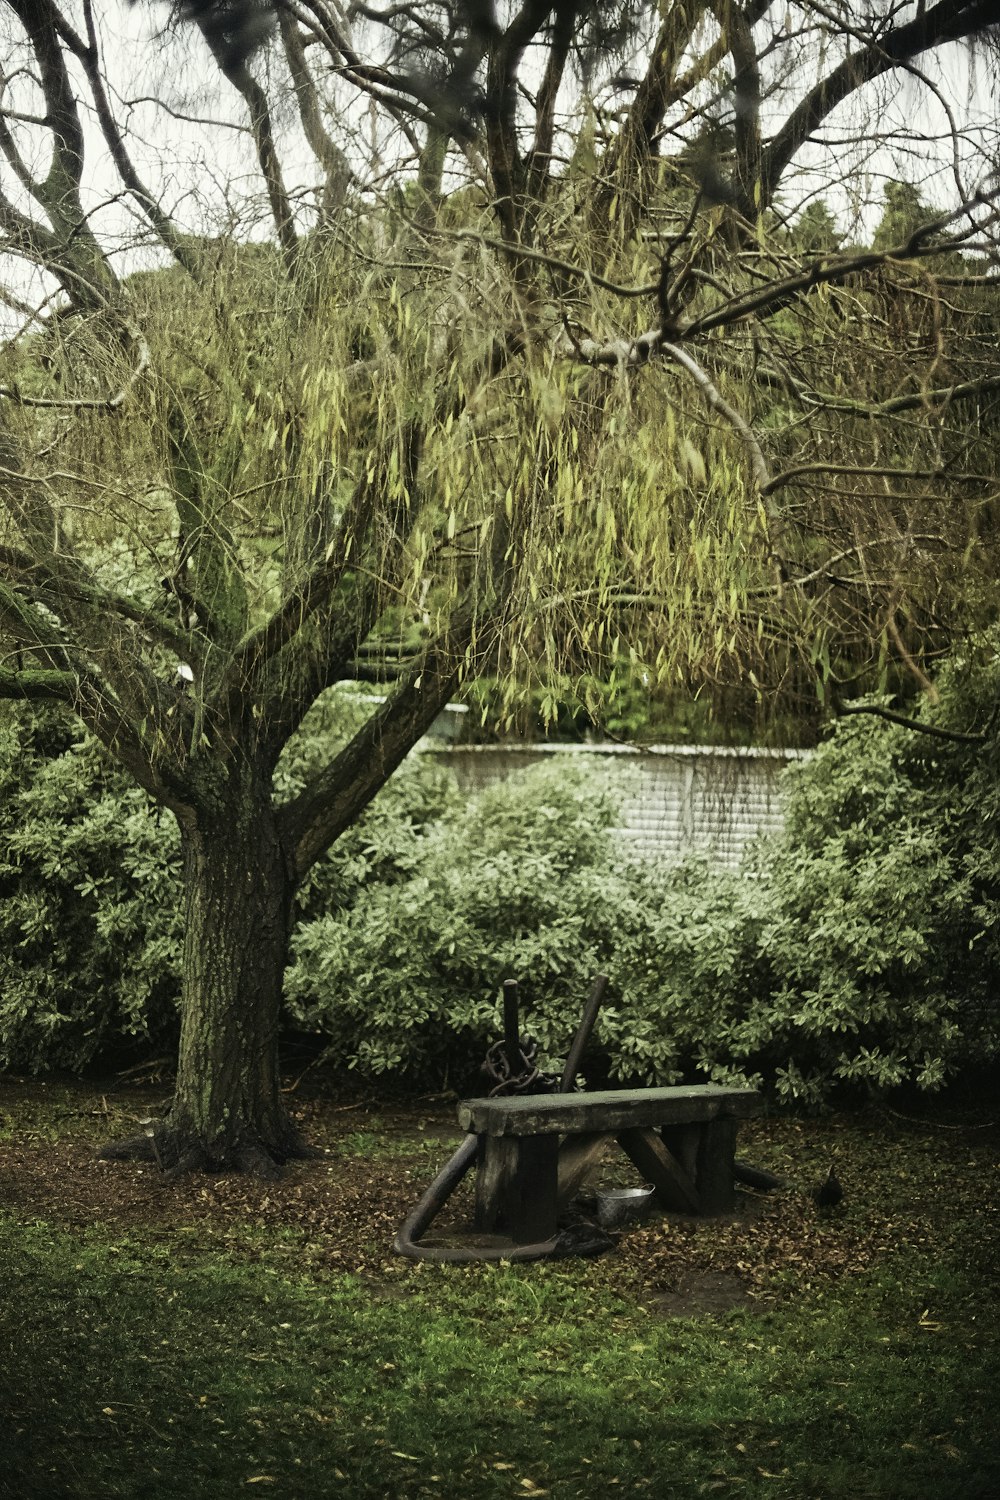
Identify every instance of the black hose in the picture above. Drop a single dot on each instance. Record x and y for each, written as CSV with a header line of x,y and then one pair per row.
x,y
430,1205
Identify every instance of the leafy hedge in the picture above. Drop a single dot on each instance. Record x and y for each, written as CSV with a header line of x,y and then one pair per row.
x,y
90,933
860,948
516,882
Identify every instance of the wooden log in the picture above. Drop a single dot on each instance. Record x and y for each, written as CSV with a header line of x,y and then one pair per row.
x,y
578,1155
682,1142
609,1110
496,1169
516,1186
511,1027
716,1150
586,1026
674,1188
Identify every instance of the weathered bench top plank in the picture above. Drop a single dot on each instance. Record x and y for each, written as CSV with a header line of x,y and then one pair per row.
x,y
608,1110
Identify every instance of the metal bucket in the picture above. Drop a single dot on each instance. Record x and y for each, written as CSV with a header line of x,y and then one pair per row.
x,y
617,1207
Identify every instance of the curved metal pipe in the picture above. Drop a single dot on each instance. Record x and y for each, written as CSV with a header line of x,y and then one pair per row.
x,y
430,1205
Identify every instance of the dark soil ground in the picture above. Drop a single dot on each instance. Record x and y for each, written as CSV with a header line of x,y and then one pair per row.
x,y
908,1183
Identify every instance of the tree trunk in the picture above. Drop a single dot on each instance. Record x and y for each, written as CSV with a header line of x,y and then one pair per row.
x,y
228,1112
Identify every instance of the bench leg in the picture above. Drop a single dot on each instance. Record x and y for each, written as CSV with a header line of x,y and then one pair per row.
x,y
516,1186
578,1156
682,1142
716,1150
674,1188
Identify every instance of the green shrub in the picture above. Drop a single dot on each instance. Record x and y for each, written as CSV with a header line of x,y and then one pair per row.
x,y
686,976
513,882
858,949
90,935
866,927
861,948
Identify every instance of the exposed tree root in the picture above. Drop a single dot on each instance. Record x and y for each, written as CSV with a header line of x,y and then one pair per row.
x,y
177,1153
135,1148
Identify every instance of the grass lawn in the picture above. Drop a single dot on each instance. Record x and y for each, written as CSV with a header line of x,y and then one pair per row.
x,y
218,1337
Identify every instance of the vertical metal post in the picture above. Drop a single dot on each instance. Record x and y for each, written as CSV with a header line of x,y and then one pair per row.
x,y
511,1028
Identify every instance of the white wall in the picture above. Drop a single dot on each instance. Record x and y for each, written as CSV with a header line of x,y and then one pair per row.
x,y
675,798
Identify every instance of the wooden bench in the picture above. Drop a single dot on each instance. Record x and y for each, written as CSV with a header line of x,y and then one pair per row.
x,y
535,1150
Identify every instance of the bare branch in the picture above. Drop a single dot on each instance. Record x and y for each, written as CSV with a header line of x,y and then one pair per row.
x,y
717,402
933,730
37,683
345,787
86,403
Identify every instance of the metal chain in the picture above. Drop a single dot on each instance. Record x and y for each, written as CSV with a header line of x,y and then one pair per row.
x,y
528,1079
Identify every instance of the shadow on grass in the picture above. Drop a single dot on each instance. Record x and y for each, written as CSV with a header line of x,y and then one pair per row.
x,y
131,1371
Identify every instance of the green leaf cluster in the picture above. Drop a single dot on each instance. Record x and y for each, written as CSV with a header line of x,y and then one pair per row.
x,y
90,934
514,882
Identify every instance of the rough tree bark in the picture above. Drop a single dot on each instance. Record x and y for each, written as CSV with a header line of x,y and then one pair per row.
x,y
228,1111
227,1107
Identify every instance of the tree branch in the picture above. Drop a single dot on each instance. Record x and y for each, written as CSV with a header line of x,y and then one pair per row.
x,y
88,54
948,21
933,730
344,788
335,166
717,402
232,65
947,395
830,270
37,683
87,403
59,193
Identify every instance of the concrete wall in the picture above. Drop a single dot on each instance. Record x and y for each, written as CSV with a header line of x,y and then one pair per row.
x,y
675,798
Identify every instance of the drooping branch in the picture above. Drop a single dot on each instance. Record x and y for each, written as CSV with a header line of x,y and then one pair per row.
x,y
37,684
542,258
110,402
79,262
88,54
867,471
337,171
235,69
113,690
923,243
69,582
942,396
717,402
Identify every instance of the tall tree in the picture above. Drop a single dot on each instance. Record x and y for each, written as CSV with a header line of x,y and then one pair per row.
x,y
452,334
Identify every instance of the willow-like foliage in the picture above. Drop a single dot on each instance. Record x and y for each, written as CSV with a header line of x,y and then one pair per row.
x,y
518,348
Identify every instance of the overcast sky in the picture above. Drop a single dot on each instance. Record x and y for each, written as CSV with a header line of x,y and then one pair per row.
x,y
186,133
